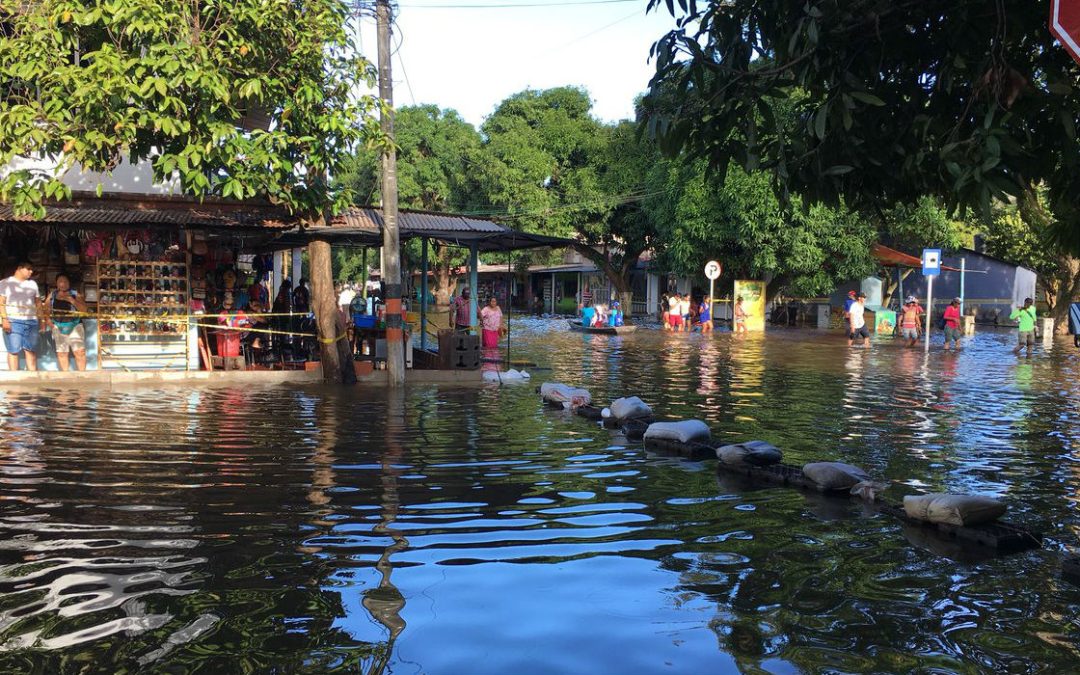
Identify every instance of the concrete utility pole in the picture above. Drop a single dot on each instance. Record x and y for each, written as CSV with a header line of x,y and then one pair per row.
x,y
391,269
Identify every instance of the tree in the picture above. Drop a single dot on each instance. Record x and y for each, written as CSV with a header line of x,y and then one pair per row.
x,y
616,242
555,169
968,101
438,158
742,224
913,227
1022,233
171,82
241,99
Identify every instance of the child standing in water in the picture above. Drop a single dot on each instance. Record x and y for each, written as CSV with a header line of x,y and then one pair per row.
x,y
740,317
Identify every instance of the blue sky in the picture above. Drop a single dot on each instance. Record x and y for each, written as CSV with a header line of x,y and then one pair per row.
x,y
470,59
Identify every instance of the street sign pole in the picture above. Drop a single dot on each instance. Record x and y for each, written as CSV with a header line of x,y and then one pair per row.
x,y
929,309
931,267
712,271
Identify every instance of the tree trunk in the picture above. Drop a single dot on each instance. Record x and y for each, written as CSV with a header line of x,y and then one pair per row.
x,y
619,278
324,304
891,285
443,280
1067,292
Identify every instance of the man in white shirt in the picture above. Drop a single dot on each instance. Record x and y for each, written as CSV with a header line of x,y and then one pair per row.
x,y
857,321
346,298
19,311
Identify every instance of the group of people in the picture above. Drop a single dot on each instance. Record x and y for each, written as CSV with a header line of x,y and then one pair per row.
x,y
911,320
601,315
492,327
24,316
680,314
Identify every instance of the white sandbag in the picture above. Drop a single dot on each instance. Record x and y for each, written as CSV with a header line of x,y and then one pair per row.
x,y
605,413
511,375
557,392
751,453
959,510
686,431
834,475
630,408
490,376
525,375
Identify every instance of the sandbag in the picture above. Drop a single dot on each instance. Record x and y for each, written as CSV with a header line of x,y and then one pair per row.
x,y
629,408
834,475
505,376
557,392
751,453
686,431
959,510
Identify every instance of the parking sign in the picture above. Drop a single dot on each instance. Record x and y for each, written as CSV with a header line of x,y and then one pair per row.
x,y
931,262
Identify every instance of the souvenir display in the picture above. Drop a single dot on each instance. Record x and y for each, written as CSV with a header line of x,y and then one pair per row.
x,y
142,302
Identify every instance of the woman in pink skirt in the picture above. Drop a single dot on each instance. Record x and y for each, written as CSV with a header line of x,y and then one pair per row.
x,y
491,324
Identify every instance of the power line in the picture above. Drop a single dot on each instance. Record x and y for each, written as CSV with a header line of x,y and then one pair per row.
x,y
526,5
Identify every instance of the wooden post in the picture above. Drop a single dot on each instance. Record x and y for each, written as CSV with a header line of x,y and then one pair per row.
x,y
391,269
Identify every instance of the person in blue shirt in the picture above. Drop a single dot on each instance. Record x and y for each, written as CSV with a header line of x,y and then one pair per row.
x,y
705,316
615,319
588,314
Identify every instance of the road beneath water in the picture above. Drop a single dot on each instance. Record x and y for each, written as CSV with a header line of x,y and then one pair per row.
x,y
449,530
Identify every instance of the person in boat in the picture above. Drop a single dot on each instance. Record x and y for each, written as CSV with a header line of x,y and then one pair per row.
x,y
616,318
491,317
588,314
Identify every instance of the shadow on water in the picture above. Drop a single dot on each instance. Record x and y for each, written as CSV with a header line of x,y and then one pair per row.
x,y
450,530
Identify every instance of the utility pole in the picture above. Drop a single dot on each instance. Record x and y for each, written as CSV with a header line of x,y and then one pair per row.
x,y
391,268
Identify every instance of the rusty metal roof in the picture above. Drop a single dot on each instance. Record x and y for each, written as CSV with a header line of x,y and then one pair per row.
x,y
416,222
130,212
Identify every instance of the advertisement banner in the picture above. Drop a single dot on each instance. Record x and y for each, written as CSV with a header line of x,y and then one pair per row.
x,y
753,302
884,321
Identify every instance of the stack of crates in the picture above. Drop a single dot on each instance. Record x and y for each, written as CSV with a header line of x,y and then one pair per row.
x,y
459,351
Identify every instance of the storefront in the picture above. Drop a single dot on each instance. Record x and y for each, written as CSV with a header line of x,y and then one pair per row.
x,y
150,270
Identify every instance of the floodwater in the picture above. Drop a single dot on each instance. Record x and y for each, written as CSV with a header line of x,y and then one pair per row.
x,y
453,530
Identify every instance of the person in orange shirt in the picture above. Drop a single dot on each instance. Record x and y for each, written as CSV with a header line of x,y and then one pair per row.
x,y
910,326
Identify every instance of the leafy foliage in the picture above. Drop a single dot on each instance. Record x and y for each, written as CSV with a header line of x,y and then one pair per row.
x,y
966,100
92,82
742,224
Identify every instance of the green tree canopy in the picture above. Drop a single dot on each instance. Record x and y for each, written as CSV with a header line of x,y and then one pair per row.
x,y
969,101
541,170
742,224
93,82
439,156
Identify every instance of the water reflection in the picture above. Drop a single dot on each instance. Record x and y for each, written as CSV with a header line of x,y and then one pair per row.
x,y
448,530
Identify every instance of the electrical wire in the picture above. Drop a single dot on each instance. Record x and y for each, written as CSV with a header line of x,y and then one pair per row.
x,y
524,5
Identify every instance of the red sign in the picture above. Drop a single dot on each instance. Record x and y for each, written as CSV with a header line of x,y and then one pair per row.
x,y
1065,25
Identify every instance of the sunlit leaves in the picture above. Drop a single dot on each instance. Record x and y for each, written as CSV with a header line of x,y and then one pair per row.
x,y
236,99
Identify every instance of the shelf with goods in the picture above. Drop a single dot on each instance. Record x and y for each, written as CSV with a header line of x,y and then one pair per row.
x,y
142,309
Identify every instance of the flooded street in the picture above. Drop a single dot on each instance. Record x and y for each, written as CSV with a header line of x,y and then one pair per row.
x,y
448,530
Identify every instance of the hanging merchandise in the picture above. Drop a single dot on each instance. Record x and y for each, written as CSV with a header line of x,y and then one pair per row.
x,y
71,250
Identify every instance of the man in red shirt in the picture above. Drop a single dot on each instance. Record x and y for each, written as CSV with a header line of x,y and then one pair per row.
x,y
952,324
462,311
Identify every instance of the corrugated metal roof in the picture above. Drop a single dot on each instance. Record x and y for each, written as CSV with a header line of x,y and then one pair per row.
x,y
416,221
183,215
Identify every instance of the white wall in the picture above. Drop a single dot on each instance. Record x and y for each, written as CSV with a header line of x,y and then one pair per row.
x,y
126,178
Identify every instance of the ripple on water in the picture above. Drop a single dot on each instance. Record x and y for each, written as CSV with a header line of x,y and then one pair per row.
x,y
310,529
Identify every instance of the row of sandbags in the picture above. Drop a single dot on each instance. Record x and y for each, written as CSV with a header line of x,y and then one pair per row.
x,y
949,509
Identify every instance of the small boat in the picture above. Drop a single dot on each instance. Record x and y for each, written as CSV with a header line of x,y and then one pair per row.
x,y
602,330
